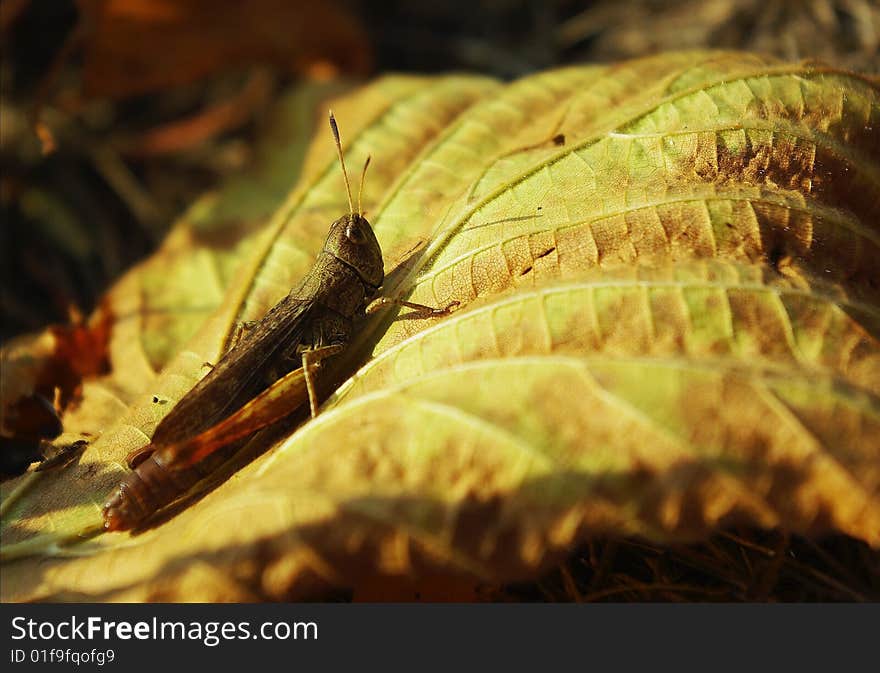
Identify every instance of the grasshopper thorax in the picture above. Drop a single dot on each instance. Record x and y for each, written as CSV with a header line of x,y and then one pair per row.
x,y
352,241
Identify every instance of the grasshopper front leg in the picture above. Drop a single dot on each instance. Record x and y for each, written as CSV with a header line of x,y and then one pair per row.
x,y
421,308
311,358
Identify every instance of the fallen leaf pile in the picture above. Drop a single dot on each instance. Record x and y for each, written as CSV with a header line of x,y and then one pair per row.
x,y
670,309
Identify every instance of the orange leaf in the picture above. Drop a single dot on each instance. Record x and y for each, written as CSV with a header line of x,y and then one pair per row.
x,y
137,46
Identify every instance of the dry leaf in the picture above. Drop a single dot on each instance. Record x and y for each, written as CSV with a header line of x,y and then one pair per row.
x,y
670,325
138,46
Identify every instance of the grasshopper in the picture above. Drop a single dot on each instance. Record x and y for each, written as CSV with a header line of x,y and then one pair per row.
x,y
313,322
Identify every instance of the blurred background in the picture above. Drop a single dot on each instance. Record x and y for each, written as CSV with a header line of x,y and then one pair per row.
x,y
116,114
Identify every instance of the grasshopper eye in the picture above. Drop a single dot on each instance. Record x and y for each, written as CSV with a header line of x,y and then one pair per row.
x,y
355,234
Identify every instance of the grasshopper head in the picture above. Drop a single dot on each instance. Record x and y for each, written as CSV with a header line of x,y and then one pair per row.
x,y
352,241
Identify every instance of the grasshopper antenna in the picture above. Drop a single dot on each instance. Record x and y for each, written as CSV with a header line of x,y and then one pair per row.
x,y
335,130
361,188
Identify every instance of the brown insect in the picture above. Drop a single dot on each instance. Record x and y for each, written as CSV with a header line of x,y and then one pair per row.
x,y
314,321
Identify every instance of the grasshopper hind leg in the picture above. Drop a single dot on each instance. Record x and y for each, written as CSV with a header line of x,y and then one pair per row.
x,y
139,455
